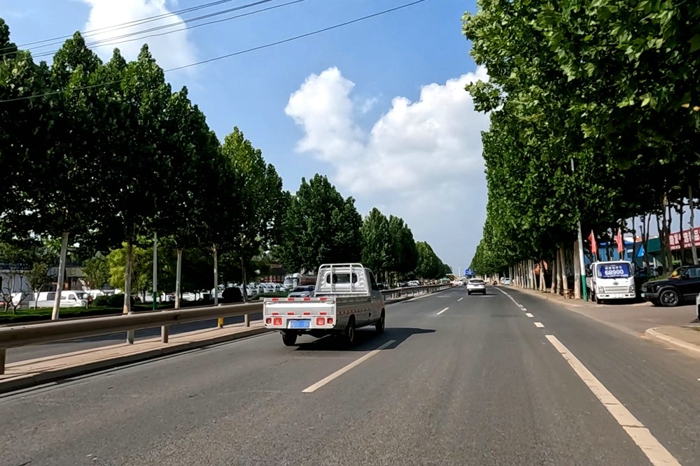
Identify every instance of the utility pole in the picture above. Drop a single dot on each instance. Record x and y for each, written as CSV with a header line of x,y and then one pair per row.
x,y
155,268
582,263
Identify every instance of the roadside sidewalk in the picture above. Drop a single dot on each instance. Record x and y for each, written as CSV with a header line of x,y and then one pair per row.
x,y
24,374
675,326
686,337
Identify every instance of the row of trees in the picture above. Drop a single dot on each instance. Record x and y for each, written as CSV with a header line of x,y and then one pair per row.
x,y
101,159
594,118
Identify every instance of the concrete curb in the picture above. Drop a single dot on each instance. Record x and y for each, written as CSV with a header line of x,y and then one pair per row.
x,y
21,382
652,332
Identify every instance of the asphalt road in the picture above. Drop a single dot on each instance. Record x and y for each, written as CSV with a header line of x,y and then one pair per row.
x,y
25,353
470,381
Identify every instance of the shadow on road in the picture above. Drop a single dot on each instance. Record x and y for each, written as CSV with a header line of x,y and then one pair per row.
x,y
366,339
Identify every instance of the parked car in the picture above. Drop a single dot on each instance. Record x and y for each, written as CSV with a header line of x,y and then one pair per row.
x,y
232,295
682,286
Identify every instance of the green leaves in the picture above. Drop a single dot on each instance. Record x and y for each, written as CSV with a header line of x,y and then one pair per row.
x,y
320,227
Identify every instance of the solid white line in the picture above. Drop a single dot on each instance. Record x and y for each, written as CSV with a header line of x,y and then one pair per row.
x,y
342,371
650,446
460,299
442,311
529,315
539,325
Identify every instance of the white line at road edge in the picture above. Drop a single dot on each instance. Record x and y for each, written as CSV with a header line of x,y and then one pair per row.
x,y
539,325
529,315
342,371
650,446
442,311
460,299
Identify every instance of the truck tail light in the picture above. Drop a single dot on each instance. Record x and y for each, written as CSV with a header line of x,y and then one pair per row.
x,y
330,321
278,321
320,321
268,320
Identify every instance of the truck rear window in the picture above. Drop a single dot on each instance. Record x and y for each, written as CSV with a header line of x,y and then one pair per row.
x,y
341,278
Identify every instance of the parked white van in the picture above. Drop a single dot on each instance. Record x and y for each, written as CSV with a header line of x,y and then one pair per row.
x,y
69,298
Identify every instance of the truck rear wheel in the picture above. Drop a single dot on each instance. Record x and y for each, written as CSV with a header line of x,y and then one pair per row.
x,y
289,338
380,323
349,334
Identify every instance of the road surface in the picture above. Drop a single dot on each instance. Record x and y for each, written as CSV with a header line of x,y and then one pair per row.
x,y
460,380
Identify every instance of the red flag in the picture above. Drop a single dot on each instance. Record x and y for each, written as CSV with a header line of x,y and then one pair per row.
x,y
594,245
620,242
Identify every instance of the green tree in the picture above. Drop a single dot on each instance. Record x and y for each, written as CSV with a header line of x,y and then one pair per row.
x,y
62,196
193,154
404,254
264,200
141,268
377,244
24,128
38,277
97,272
320,227
429,266
134,182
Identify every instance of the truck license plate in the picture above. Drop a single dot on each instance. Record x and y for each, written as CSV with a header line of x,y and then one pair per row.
x,y
301,323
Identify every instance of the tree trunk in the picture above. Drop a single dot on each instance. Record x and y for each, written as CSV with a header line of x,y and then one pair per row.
x,y
691,204
216,275
681,208
543,277
36,299
645,240
577,273
243,277
178,278
127,276
564,278
61,276
554,274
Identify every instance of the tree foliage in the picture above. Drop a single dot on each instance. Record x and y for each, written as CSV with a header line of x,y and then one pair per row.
x,y
97,157
608,85
320,226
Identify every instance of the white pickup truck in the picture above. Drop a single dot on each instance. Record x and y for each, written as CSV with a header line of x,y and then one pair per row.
x,y
346,297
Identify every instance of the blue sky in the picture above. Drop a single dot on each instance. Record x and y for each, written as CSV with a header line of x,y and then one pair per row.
x,y
418,156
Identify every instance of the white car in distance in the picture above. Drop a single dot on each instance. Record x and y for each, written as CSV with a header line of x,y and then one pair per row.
x,y
476,285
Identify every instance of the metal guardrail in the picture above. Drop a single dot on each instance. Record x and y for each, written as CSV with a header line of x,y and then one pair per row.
x,y
49,332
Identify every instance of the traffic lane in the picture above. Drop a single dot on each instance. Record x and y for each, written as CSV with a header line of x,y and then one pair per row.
x,y
490,390
477,385
152,406
51,349
438,400
657,384
25,353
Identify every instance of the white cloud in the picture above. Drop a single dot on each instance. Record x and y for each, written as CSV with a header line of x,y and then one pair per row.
x,y
421,160
109,17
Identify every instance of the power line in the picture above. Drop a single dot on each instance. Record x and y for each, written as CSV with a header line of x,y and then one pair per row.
x,y
291,39
110,40
240,52
119,40
131,23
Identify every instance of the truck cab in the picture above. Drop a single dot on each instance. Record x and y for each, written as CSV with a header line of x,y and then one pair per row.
x,y
611,280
